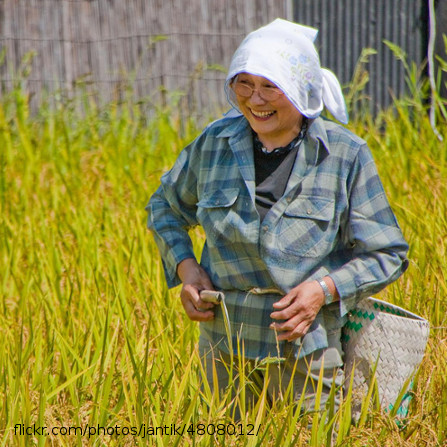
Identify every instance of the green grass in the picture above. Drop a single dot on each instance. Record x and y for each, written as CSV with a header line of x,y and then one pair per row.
x,y
91,336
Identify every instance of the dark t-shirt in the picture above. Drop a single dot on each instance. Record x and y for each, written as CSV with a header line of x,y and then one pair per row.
x,y
272,171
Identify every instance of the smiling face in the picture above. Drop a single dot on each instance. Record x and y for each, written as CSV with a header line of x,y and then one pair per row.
x,y
277,122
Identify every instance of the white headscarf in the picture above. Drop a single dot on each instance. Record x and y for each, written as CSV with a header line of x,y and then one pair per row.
x,y
283,52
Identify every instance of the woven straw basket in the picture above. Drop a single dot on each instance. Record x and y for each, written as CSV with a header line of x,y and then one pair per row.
x,y
395,339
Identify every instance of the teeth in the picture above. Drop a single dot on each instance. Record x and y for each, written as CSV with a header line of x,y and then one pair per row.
x,y
262,114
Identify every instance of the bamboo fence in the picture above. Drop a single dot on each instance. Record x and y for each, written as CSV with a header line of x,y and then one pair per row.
x,y
158,48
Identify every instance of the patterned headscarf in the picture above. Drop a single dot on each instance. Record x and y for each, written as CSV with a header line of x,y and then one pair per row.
x,y
283,52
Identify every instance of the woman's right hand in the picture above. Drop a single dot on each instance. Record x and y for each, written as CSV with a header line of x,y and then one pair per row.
x,y
195,279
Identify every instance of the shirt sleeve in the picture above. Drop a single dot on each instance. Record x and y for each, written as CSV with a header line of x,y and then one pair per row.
x,y
372,234
172,212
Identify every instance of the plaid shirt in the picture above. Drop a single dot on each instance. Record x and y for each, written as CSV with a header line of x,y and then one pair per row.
x,y
333,219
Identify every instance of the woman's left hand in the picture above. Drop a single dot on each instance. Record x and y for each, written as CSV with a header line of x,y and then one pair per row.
x,y
298,308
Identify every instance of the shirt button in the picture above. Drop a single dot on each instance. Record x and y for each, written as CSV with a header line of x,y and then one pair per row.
x,y
265,227
309,211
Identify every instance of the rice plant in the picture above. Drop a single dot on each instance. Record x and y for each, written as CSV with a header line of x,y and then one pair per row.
x,y
99,352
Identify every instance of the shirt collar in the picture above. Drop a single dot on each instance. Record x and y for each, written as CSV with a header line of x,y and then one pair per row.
x,y
237,126
316,129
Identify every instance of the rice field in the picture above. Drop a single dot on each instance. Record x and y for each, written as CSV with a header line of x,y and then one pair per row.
x,y
95,351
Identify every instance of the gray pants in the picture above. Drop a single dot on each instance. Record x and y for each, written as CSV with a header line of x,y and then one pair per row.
x,y
280,374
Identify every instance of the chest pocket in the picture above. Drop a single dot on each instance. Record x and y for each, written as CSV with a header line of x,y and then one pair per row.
x,y
218,215
307,226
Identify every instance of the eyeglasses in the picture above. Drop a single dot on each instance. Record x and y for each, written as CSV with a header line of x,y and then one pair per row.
x,y
266,92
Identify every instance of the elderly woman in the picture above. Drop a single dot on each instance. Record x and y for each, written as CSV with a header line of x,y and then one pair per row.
x,y
298,228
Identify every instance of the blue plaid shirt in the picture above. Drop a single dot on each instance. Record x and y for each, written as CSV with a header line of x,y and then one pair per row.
x,y
333,219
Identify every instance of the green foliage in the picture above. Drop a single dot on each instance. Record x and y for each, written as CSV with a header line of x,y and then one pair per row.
x,y
90,334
